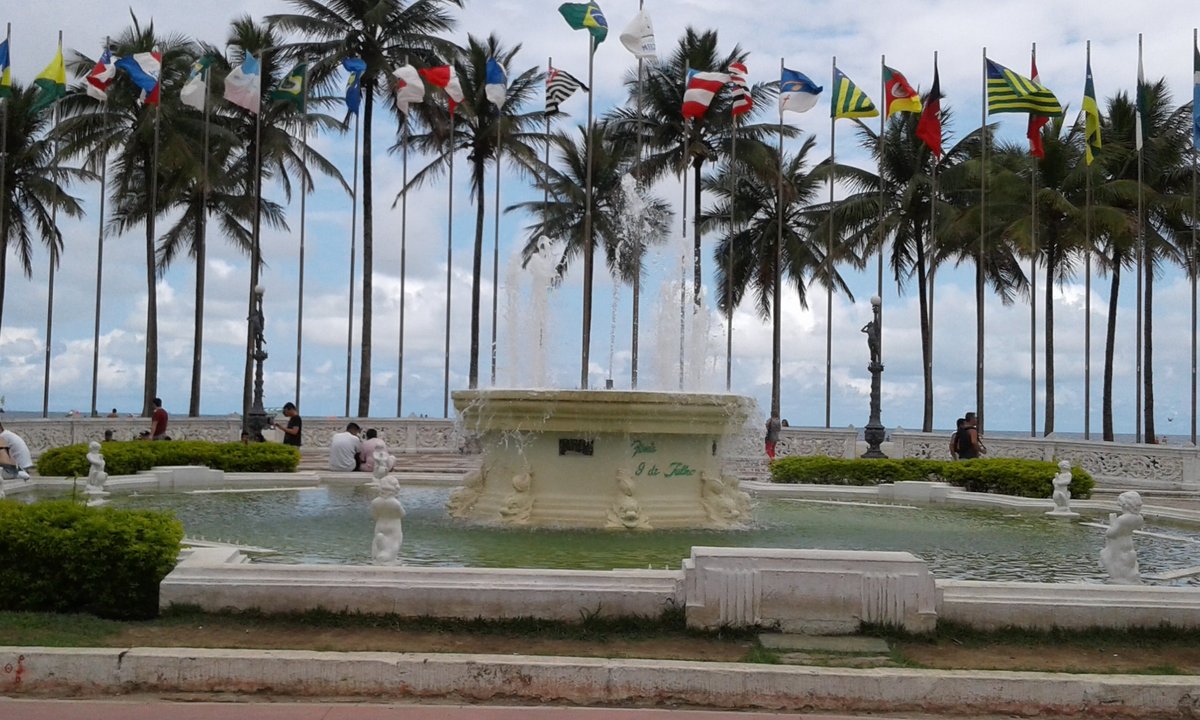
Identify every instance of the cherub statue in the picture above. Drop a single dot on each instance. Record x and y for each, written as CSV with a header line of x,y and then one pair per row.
x,y
518,506
463,500
1062,492
1119,556
96,474
388,513
626,511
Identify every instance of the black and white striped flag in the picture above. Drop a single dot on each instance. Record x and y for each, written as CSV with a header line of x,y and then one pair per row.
x,y
560,85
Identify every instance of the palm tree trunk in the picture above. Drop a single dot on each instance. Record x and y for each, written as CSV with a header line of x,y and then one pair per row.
x,y
696,198
368,255
477,171
926,336
150,387
1110,339
1148,351
198,319
1052,260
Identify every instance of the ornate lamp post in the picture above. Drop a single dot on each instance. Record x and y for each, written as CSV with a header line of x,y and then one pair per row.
x,y
874,432
257,419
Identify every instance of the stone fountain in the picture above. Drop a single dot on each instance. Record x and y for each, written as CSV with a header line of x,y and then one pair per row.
x,y
601,458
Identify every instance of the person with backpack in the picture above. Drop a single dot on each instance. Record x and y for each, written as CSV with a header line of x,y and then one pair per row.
x,y
968,444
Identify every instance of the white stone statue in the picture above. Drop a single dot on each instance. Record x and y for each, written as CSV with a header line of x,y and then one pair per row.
x,y
1062,493
721,507
518,506
626,511
1119,556
388,513
96,477
462,501
383,463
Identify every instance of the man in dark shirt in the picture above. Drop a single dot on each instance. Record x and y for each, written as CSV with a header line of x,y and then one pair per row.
x,y
158,421
969,446
291,431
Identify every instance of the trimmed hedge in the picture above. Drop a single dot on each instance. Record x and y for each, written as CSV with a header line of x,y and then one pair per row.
x,y
126,458
1009,476
58,556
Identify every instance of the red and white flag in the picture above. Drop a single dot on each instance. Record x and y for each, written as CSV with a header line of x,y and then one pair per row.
x,y
408,87
101,77
443,76
742,102
702,87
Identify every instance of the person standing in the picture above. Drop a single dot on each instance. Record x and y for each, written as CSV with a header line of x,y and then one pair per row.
x,y
158,421
18,459
291,431
968,445
958,428
343,449
773,428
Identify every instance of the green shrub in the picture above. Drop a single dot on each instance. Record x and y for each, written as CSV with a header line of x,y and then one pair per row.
x,y
127,458
63,557
1010,476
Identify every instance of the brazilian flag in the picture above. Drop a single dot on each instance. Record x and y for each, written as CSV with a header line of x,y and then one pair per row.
x,y
586,16
292,89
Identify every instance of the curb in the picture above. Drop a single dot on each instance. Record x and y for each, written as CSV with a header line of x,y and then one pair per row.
x,y
591,681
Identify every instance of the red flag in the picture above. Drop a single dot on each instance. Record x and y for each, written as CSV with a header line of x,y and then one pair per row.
x,y
1034,133
702,87
742,102
444,77
929,127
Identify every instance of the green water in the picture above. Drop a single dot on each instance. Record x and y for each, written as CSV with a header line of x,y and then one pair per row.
x,y
333,525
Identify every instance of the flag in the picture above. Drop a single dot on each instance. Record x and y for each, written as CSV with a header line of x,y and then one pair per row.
x,y
586,16
292,88
560,85
702,87
796,92
356,67
243,84
1091,118
143,69
742,102
496,87
1195,96
929,127
1142,117
5,71
898,95
1009,92
195,89
51,83
408,87
1034,130
848,101
443,76
638,36
101,76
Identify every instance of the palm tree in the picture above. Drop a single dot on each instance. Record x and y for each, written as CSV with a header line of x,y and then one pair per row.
x,y
676,143
383,33
34,185
132,133
755,200
907,168
484,130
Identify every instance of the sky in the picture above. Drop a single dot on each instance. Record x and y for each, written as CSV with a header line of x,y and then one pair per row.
x,y
806,35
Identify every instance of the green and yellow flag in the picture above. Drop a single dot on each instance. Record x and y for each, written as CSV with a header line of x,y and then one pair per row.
x,y
848,100
5,71
586,16
1008,92
51,83
1091,118
291,88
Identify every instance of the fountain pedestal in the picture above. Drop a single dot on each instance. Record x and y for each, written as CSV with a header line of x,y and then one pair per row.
x,y
601,458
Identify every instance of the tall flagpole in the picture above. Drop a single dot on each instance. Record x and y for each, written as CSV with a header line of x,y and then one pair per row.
x,y
979,276
1087,291
4,150
50,285
1141,252
255,250
585,350
403,265
683,247
541,340
777,293
640,250
496,245
353,248
883,114
1033,252
449,265
729,255
201,251
303,208
933,201
829,254
99,259
1194,268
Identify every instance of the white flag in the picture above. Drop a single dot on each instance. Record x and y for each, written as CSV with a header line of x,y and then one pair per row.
x,y
638,36
243,84
408,87
195,90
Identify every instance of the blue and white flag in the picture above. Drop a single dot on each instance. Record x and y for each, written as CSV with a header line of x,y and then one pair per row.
x,y
356,67
243,84
143,69
497,83
797,92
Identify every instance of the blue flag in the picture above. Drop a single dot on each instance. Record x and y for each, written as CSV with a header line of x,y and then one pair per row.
x,y
496,88
797,92
356,67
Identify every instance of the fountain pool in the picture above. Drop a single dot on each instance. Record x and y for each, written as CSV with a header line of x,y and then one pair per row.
x,y
332,525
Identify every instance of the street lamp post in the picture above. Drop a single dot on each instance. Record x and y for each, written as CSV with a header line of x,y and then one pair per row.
x,y
874,432
257,419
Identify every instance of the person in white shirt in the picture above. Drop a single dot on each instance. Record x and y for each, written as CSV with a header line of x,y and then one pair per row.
x,y
343,449
18,453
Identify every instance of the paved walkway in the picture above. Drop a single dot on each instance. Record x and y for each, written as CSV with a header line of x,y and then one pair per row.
x,y
168,710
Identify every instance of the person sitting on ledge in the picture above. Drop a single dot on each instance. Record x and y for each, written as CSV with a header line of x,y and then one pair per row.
x,y
15,459
343,449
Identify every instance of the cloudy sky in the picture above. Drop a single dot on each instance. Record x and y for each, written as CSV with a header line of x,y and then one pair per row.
x,y
807,34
